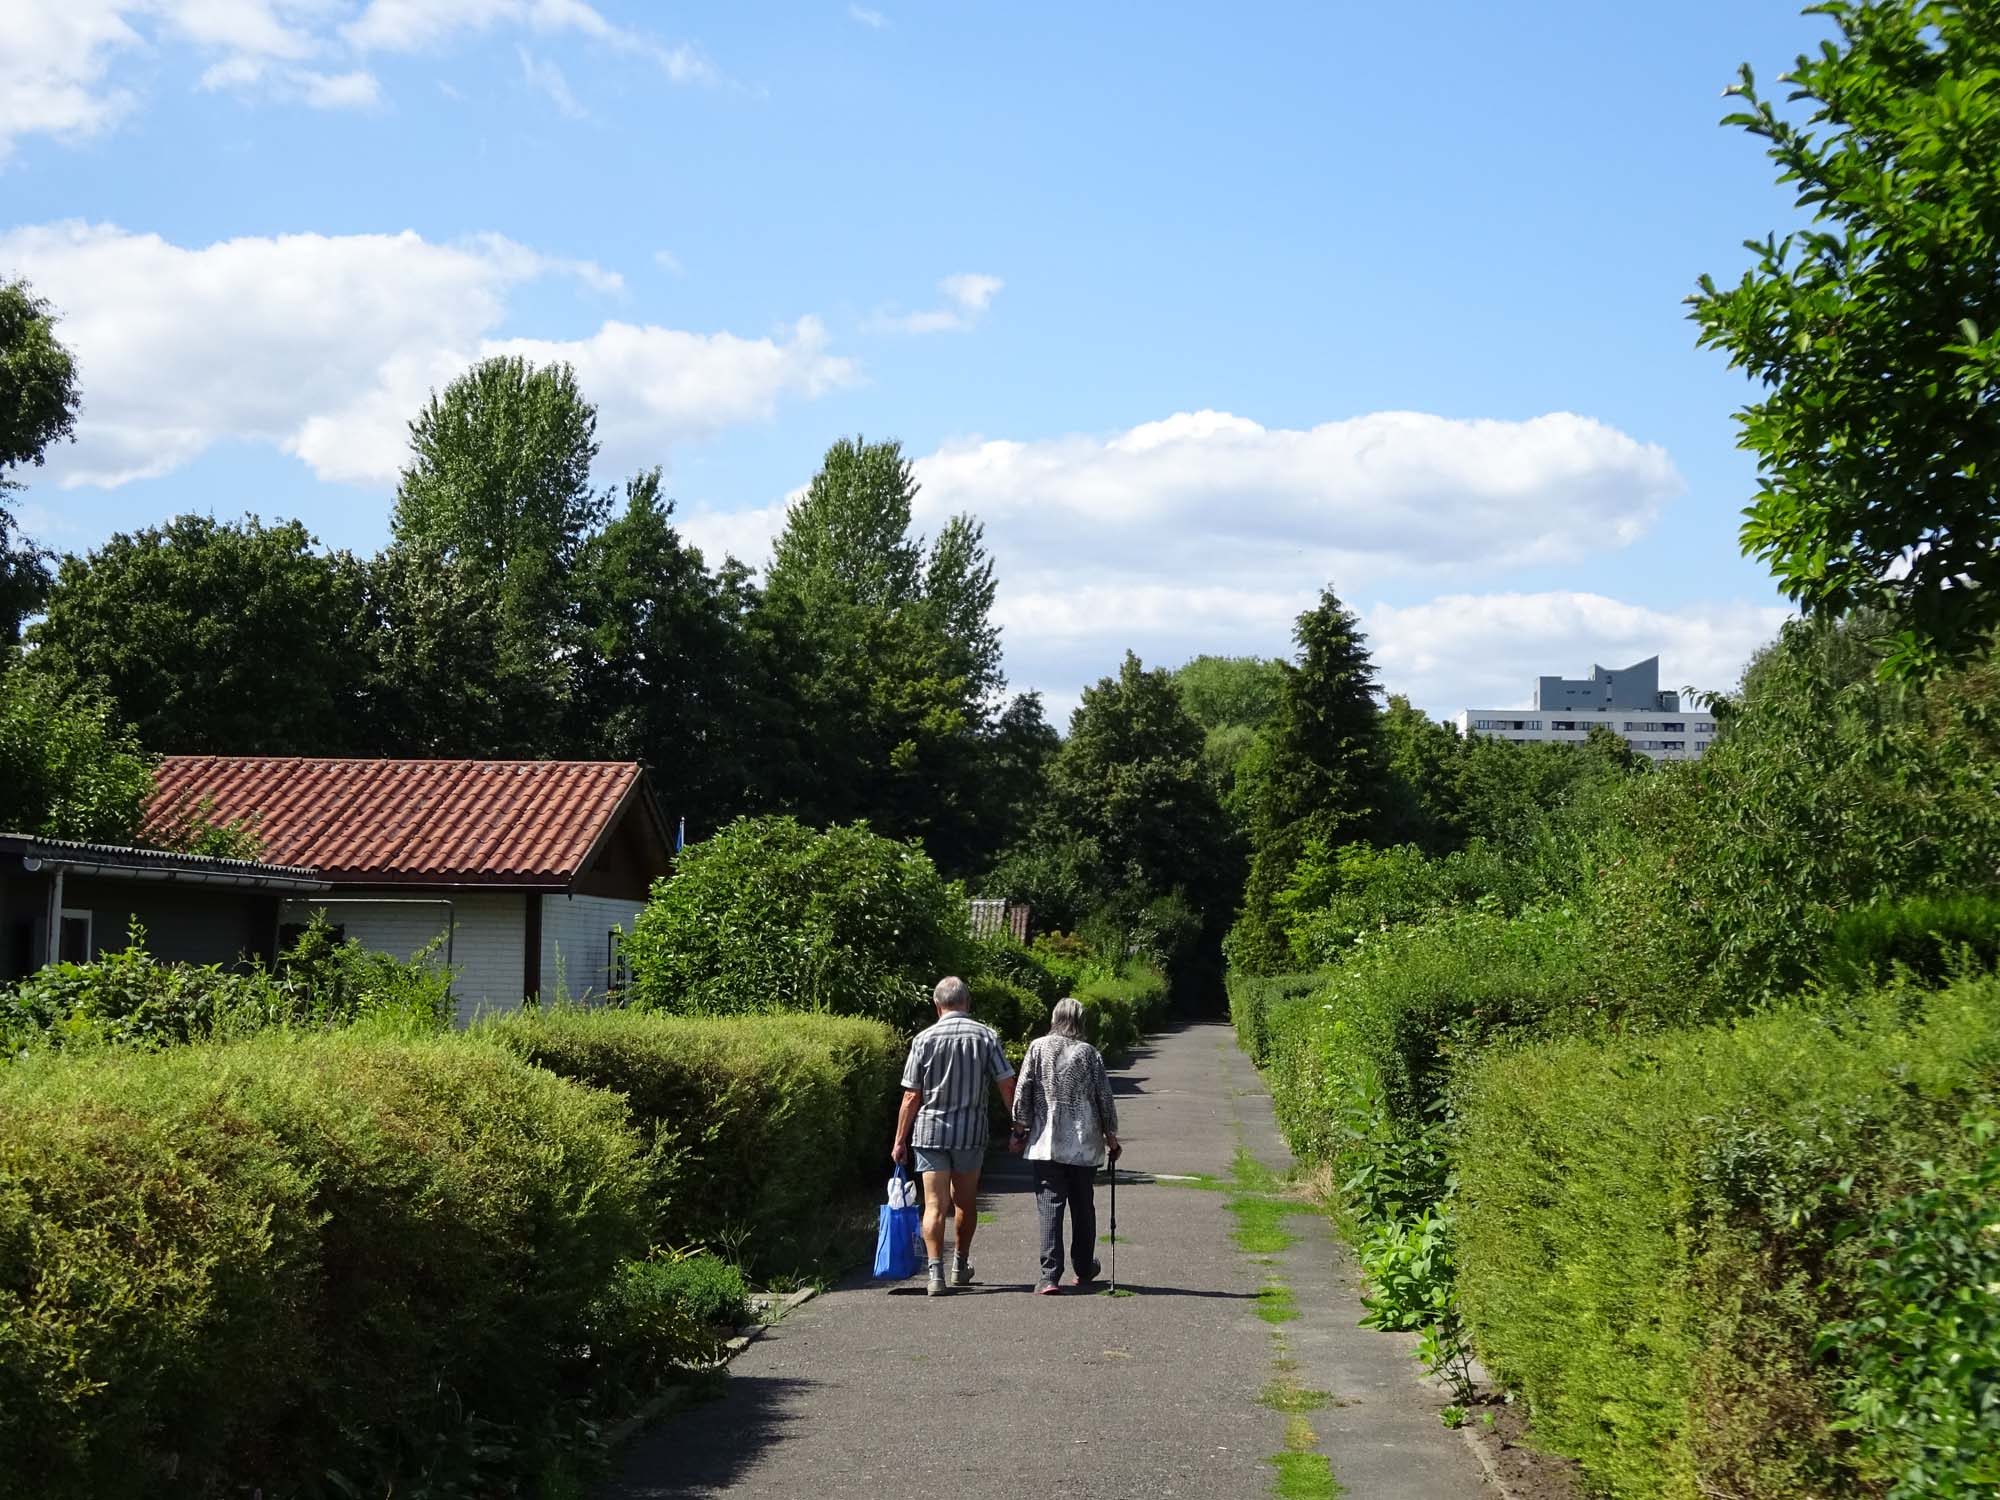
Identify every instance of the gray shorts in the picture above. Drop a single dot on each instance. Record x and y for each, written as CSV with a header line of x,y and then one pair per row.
x,y
939,1159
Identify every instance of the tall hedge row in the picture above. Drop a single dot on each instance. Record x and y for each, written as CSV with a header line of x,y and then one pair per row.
x,y
747,1121
356,1263
1654,1234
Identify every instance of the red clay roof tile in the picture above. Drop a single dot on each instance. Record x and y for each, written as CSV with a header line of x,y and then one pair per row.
x,y
444,822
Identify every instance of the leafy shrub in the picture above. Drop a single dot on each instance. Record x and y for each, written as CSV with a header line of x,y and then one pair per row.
x,y
1336,897
712,1290
1652,1231
1072,959
1007,1008
1120,1008
770,915
642,1326
129,998
751,1123
1411,1289
295,1257
1003,957
1251,997
1925,935
1924,1343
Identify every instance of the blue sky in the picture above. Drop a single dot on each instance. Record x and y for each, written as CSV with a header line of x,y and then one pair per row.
x,y
1197,307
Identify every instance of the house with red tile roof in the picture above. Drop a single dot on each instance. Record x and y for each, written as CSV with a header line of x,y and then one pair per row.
x,y
527,874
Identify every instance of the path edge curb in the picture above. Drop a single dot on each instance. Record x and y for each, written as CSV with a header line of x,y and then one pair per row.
x,y
1487,1462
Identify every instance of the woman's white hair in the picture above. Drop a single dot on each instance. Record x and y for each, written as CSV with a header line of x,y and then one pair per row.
x,y
1067,1019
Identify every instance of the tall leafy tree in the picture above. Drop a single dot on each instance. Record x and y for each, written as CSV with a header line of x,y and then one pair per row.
x,y
1232,698
1423,760
69,766
1129,780
662,674
1876,332
1320,774
884,657
497,495
217,637
38,401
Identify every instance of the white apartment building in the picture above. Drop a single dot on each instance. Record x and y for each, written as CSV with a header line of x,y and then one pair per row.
x,y
1628,702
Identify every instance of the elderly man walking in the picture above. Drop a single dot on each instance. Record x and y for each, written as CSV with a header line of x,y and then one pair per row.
x,y
944,1118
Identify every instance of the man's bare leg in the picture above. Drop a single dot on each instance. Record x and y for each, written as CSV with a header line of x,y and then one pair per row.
x,y
938,1194
965,1199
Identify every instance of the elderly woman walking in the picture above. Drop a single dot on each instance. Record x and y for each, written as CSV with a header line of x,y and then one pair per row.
x,y
1066,1122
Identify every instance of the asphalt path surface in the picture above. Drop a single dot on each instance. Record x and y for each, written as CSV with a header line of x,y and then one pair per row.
x,y
876,1392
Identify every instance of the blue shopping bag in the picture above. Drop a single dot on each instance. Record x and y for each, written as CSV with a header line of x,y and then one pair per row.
x,y
899,1230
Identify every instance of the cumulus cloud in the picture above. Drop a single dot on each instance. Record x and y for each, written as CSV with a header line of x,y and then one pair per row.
x,y
1209,495
967,296
59,58
324,346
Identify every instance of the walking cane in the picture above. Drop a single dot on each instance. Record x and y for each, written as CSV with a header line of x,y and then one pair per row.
x,y
1114,1223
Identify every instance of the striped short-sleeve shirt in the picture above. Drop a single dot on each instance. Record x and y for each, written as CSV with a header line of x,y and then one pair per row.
x,y
953,1064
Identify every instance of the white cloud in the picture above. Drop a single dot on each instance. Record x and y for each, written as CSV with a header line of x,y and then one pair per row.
x,y
353,90
546,78
666,260
324,346
58,57
1486,650
968,294
1208,495
874,20
1209,532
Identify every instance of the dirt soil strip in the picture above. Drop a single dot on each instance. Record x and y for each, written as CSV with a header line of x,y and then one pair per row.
x,y
878,1393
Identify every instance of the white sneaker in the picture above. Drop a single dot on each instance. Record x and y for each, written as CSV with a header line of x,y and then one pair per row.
x,y
934,1284
961,1273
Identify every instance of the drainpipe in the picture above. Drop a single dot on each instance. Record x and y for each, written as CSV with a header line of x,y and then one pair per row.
x,y
53,951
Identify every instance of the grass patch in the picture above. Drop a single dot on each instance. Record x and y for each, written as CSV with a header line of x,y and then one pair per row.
x,y
1290,1396
1201,1182
986,1216
1299,1435
1260,1224
1304,1476
1121,1291
1276,1304
1252,1176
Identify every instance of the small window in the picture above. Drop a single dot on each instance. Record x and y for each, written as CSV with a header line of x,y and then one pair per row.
x,y
617,967
73,937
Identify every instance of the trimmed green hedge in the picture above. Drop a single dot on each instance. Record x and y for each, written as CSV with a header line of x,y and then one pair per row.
x,y
259,1264
1653,1232
751,1122
1121,1008
1252,997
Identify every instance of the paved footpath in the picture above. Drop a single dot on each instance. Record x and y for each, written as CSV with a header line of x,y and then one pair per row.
x,y
876,1392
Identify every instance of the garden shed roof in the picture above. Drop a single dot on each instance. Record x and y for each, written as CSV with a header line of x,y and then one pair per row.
x,y
520,824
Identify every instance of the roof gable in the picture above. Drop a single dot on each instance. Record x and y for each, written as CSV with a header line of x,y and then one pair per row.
x,y
422,822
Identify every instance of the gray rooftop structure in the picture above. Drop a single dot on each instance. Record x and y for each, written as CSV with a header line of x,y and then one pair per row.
x,y
1633,687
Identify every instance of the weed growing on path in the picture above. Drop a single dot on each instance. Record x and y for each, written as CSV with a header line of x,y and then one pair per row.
x,y
1289,1396
1304,1476
1276,1304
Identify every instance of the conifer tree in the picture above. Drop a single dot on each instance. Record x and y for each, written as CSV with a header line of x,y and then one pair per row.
x,y
1317,774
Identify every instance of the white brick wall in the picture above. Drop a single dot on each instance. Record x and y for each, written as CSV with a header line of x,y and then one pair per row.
x,y
574,928
489,946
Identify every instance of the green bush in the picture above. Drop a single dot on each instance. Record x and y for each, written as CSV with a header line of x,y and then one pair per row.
x,y
1251,997
294,1257
129,998
712,1290
1071,958
1008,1008
1924,1344
1121,1008
1927,935
1006,959
752,1123
1653,1231
770,915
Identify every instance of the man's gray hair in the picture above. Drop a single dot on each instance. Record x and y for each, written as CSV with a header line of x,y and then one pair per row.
x,y
952,993
1067,1019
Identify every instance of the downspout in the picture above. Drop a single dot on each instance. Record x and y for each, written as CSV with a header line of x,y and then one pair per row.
x,y
53,952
